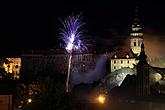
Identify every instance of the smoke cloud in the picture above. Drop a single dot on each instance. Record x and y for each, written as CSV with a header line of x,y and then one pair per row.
x,y
154,47
91,75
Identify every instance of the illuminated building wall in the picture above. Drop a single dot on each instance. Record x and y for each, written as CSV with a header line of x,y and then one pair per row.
x,y
135,45
121,63
7,67
14,66
122,59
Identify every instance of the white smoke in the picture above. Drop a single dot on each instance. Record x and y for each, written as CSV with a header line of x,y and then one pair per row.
x,y
91,75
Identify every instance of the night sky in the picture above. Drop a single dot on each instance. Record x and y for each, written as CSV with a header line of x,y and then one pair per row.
x,y
36,25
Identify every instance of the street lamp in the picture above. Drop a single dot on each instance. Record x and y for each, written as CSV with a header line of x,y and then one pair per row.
x,y
101,98
29,100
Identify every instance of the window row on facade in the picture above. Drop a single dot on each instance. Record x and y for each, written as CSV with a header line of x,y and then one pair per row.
x,y
121,61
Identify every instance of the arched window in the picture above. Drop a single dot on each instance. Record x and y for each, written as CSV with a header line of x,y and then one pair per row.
x,y
134,43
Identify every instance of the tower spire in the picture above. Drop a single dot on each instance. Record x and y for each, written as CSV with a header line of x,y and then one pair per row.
x,y
143,81
136,17
136,34
136,11
142,56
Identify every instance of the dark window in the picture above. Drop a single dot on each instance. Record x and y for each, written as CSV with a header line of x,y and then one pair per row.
x,y
128,61
121,61
16,66
134,43
114,61
114,67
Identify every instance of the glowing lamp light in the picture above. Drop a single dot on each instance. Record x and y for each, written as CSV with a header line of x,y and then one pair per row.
x,y
101,99
29,100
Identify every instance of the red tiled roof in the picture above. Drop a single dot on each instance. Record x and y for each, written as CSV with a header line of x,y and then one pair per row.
x,y
122,54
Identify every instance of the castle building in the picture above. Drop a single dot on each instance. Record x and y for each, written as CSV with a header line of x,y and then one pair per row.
x,y
147,80
123,58
136,36
38,62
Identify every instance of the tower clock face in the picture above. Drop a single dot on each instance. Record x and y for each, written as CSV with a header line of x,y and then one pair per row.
x,y
136,50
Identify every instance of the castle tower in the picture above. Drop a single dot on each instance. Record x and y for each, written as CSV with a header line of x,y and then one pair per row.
x,y
142,83
136,35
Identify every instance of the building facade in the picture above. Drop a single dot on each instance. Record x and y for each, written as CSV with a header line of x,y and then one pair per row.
x,y
13,67
122,59
56,61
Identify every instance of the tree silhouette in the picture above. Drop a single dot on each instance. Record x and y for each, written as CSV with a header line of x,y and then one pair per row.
x,y
51,96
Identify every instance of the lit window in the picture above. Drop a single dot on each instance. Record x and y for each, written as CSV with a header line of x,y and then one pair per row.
x,y
115,56
127,56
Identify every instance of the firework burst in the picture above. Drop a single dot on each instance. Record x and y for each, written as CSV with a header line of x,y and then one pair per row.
x,y
72,36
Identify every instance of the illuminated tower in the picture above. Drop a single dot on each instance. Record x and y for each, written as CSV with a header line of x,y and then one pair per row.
x,y
142,84
136,35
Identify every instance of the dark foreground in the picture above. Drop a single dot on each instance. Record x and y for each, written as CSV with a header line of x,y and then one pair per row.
x,y
124,105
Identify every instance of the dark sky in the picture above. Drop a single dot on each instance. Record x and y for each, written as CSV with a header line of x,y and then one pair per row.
x,y
29,25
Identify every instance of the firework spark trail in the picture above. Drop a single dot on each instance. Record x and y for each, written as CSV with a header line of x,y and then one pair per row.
x,y
72,35
68,75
